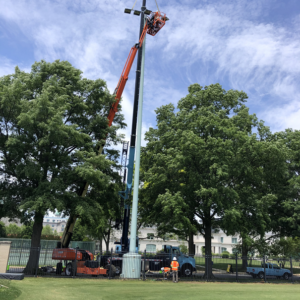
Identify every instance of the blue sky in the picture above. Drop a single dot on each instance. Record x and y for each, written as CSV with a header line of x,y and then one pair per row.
x,y
251,45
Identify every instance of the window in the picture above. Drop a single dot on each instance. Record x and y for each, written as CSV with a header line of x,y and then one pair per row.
x,y
62,226
234,240
222,239
223,249
150,236
48,220
52,225
150,248
175,252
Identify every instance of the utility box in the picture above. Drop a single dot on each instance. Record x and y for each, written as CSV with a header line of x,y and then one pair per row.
x,y
4,255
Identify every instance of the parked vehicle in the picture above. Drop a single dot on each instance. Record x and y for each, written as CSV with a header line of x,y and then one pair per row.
x,y
155,262
271,270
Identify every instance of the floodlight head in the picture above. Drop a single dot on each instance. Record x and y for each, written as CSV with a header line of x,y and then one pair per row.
x,y
137,12
127,11
147,12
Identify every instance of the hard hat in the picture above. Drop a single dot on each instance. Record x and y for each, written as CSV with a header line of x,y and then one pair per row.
x,y
162,269
174,258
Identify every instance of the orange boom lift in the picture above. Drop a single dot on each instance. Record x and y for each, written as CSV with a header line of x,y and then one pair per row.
x,y
86,265
153,24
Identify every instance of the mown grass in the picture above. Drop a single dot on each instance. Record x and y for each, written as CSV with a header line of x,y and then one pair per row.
x,y
58,289
8,291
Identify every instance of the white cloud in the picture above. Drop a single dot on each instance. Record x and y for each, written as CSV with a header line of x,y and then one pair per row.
x,y
260,58
289,117
226,41
7,67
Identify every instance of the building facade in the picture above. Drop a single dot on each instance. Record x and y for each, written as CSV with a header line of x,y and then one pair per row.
x,y
149,242
147,237
57,222
6,221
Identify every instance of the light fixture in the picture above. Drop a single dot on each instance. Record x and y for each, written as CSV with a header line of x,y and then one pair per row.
x,y
147,12
137,12
127,11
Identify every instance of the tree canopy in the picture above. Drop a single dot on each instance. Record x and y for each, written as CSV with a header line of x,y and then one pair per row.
x,y
52,121
206,166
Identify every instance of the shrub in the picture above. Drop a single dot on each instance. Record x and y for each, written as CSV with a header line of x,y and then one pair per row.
x,y
50,237
2,230
183,249
225,254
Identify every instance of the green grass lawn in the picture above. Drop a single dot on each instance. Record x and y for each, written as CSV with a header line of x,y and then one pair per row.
x,y
90,289
8,291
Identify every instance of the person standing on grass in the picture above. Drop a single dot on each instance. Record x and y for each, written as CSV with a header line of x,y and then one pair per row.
x,y
174,266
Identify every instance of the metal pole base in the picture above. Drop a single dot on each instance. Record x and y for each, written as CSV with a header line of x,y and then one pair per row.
x,y
131,266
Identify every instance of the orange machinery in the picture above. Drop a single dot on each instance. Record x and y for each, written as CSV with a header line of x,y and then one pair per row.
x,y
152,26
84,261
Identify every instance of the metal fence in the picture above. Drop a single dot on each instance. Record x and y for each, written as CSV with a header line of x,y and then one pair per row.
x,y
153,266
48,244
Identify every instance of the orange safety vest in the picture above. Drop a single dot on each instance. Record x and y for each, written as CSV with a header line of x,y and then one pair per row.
x,y
174,265
166,270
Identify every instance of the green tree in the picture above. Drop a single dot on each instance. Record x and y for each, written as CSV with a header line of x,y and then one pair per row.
x,y
13,229
196,163
80,232
258,182
183,249
52,124
285,247
103,230
2,230
286,211
26,230
47,230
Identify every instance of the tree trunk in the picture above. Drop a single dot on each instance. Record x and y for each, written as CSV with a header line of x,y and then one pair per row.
x,y
108,239
208,256
100,245
191,244
33,261
244,255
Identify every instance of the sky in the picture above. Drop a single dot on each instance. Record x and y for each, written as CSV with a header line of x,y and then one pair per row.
x,y
250,45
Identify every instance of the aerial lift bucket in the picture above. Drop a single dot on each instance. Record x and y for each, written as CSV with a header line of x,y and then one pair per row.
x,y
156,22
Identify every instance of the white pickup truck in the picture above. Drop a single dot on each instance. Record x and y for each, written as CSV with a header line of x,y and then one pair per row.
x,y
271,270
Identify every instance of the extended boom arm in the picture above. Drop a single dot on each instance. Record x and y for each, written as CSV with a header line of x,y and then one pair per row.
x,y
153,24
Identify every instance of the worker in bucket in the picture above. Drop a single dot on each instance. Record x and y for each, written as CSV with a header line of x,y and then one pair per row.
x,y
174,266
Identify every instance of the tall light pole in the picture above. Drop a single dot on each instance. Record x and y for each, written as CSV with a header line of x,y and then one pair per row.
x,y
132,260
